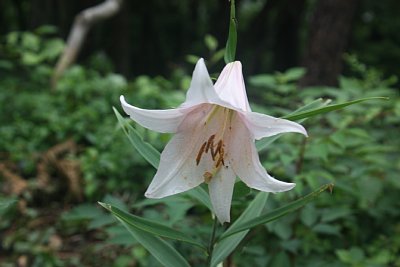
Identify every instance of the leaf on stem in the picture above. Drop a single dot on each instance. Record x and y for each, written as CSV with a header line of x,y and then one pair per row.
x,y
160,249
309,113
275,214
150,226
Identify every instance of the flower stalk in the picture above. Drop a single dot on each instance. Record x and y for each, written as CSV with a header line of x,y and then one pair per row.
x,y
212,240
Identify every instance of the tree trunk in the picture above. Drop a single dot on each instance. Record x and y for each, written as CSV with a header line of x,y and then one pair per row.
x,y
329,34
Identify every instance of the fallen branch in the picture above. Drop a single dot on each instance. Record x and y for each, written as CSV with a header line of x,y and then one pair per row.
x,y
54,158
15,184
82,23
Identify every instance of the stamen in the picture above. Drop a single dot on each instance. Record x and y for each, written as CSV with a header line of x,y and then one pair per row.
x,y
198,158
210,142
215,152
222,154
219,161
216,148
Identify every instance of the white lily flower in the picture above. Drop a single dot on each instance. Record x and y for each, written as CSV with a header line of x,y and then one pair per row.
x,y
215,131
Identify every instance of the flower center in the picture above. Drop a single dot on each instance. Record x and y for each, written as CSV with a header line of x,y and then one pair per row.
x,y
215,144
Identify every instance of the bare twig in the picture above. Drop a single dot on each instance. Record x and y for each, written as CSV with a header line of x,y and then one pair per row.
x,y
82,23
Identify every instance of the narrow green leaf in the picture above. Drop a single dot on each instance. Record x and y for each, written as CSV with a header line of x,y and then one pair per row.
x,y
160,249
230,50
225,247
150,226
275,214
145,149
317,103
152,155
317,111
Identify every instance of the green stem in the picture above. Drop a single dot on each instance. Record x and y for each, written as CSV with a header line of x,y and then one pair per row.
x,y
212,241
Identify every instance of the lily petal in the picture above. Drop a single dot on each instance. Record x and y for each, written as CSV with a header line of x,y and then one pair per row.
x,y
179,169
201,88
164,121
221,191
246,163
175,173
261,125
230,86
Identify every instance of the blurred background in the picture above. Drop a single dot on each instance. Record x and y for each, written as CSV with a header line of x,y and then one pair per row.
x,y
61,149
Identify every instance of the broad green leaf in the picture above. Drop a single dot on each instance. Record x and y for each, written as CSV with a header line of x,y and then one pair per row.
x,y
225,247
309,215
211,42
353,256
294,74
279,260
230,50
150,226
152,155
317,111
160,249
275,214
6,203
332,214
327,229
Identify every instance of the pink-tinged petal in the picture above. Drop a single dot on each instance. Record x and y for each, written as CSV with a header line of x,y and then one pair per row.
x,y
246,163
176,172
181,168
164,121
261,125
201,87
230,86
221,190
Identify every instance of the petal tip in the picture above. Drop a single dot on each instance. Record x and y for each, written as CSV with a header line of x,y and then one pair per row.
x,y
237,62
125,105
304,132
122,100
287,187
151,194
223,219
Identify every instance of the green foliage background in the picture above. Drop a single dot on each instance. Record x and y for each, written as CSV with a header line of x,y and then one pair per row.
x,y
357,149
